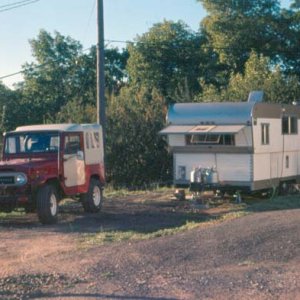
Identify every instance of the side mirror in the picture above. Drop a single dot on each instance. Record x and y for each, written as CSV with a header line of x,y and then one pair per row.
x,y
80,155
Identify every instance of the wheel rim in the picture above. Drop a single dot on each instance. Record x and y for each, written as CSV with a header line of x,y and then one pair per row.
x,y
53,205
96,196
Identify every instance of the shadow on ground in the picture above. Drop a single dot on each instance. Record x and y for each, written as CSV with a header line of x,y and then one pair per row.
x,y
144,213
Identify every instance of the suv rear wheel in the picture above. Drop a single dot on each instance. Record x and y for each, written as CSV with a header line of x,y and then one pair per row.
x,y
47,204
92,200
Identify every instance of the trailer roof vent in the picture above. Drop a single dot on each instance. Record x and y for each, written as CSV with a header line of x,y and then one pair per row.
x,y
255,96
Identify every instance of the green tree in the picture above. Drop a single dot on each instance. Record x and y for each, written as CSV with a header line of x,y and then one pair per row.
x,y
136,155
260,74
236,27
64,73
167,58
115,70
289,32
51,81
11,110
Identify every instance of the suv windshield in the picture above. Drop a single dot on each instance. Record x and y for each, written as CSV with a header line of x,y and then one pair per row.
x,y
32,142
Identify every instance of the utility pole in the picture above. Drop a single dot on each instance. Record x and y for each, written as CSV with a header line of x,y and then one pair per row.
x,y
101,116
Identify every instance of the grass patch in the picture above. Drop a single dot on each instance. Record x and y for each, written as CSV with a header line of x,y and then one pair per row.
x,y
233,215
14,213
111,192
233,212
105,237
277,203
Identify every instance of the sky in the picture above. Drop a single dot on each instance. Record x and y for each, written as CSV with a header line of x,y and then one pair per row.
x,y
123,20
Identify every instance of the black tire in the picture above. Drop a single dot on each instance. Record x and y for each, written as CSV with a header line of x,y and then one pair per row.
x,y
92,200
47,204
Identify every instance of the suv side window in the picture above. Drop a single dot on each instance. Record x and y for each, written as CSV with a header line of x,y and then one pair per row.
x,y
72,144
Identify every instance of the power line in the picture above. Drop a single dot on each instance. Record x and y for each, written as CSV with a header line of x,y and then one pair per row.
x,y
10,75
15,5
89,20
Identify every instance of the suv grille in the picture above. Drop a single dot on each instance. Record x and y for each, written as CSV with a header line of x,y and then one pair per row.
x,y
7,179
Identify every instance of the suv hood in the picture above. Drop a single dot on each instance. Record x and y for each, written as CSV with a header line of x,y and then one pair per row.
x,y
22,164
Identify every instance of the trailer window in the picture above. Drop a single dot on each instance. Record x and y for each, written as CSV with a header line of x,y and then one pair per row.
x,y
287,162
265,134
219,139
289,125
181,172
293,125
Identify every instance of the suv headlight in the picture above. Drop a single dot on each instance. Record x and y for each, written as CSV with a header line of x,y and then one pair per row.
x,y
21,179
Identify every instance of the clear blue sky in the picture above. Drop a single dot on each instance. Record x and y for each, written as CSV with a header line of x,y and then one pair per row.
x,y
124,19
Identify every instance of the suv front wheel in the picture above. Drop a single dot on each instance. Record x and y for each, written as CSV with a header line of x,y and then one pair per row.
x,y
92,200
47,204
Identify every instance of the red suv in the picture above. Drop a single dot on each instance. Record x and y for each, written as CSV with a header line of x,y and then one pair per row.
x,y
42,164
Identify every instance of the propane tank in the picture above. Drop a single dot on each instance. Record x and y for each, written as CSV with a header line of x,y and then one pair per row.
x,y
214,176
195,175
192,175
205,175
210,175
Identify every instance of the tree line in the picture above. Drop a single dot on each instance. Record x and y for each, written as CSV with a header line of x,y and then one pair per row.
x,y
241,45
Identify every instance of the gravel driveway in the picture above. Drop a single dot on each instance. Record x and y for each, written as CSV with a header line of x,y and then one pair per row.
x,y
253,257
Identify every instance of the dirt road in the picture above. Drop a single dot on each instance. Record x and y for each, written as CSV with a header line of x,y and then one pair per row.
x,y
253,257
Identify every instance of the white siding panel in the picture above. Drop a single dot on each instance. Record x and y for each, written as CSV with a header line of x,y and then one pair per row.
x,y
262,167
230,167
278,141
273,165
276,165
190,161
176,140
292,169
275,136
234,167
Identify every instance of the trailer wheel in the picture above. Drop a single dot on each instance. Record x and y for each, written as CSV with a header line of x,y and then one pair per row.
x,y
92,200
47,204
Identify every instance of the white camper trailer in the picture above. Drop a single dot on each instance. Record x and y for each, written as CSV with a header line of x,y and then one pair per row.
x,y
234,146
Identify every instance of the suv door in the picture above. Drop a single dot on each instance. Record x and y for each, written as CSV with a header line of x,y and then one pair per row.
x,y
74,165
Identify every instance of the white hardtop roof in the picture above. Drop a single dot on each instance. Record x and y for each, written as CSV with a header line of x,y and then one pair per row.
x,y
59,127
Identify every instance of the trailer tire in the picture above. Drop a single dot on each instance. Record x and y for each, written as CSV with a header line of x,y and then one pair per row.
x,y
47,204
92,200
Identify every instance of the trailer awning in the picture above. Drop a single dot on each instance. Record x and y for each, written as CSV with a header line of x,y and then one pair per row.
x,y
176,129
200,129
227,129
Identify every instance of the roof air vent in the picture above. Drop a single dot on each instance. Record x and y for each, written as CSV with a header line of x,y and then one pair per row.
x,y
255,96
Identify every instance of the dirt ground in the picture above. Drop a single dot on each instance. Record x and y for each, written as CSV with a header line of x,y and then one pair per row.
x,y
253,257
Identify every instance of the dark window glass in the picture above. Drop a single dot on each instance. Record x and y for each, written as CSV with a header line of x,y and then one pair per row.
x,y
265,134
32,142
202,139
287,162
285,125
87,140
72,144
293,125
289,125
